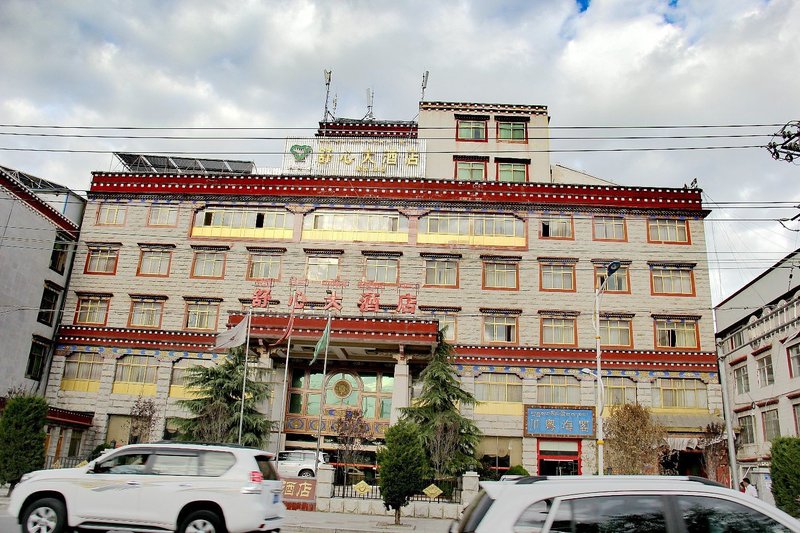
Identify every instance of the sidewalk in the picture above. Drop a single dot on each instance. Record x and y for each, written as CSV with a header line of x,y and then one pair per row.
x,y
318,522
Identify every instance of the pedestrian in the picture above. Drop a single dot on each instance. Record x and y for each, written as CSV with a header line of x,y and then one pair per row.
x,y
741,486
749,488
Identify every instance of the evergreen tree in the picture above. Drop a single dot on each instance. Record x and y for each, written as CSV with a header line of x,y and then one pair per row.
x,y
403,466
217,403
784,469
22,437
450,438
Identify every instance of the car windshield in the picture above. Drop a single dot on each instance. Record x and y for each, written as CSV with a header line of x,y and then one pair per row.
x,y
475,512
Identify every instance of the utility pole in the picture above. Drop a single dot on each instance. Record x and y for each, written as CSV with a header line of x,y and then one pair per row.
x,y
786,143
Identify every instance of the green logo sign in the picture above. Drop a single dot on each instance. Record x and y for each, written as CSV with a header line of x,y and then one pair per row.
x,y
300,151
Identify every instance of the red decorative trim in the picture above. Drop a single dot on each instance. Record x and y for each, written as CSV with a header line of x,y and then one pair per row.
x,y
417,189
793,395
748,407
566,357
767,403
357,128
62,416
738,360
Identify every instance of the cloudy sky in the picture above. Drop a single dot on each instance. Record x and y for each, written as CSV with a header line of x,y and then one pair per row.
x,y
259,64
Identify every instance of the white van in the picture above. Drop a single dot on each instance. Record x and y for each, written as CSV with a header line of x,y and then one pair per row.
x,y
299,463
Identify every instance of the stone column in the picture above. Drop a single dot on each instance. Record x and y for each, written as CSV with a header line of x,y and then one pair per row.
x,y
324,487
469,488
401,393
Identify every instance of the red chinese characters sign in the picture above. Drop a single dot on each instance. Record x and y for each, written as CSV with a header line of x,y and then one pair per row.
x,y
299,489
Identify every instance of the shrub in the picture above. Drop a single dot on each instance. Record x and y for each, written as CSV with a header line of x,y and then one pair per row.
x,y
784,470
22,437
517,470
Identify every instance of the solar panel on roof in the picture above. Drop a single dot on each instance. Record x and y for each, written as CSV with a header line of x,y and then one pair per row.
x,y
183,165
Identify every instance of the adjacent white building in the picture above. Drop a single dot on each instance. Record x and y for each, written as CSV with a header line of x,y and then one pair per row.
x,y
758,340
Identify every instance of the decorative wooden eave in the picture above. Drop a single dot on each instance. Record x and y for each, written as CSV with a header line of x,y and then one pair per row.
x,y
401,190
62,417
135,338
406,331
37,205
535,356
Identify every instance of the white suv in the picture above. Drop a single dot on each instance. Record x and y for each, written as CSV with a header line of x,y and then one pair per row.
x,y
156,487
299,463
634,504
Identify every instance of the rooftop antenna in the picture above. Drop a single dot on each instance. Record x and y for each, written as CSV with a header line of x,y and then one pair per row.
x,y
327,74
424,85
370,98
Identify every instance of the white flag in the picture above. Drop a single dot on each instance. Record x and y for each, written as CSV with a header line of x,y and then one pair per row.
x,y
236,336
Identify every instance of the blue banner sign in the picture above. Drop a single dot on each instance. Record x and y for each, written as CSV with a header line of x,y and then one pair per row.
x,y
548,421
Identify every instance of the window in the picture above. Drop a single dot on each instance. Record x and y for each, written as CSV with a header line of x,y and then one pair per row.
x,y
736,340
676,333
127,463
619,391
49,303
615,331
512,172
263,265
606,228
92,309
381,270
470,170
703,514
75,437
178,385
772,426
208,264
154,262
794,361
471,228
629,513
556,227
146,313
471,130
512,131
201,314
448,322
668,230
322,268
441,272
500,329
672,280
110,215
618,282
163,215
364,226
58,257
101,260
557,276
766,376
558,331
747,429
559,389
246,223
742,379
796,411
136,369
494,387
82,372
500,275
680,393
36,358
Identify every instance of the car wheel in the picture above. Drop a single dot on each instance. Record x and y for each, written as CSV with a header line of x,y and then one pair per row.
x,y
201,522
47,515
306,473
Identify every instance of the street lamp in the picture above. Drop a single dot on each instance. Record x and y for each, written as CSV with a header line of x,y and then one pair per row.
x,y
612,267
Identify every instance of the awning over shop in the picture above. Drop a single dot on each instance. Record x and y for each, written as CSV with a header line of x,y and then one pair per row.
x,y
694,425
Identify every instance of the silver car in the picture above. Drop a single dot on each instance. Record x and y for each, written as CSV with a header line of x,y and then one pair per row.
x,y
633,504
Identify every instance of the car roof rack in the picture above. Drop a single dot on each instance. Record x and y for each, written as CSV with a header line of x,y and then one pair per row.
x,y
527,480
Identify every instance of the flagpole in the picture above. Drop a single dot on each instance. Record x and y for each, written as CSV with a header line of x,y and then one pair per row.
x,y
244,377
285,395
322,393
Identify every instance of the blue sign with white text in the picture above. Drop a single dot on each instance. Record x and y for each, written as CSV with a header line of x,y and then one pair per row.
x,y
541,421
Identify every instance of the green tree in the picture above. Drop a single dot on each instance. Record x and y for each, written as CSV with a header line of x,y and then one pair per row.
x,y
633,440
218,401
784,469
22,438
450,438
403,466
